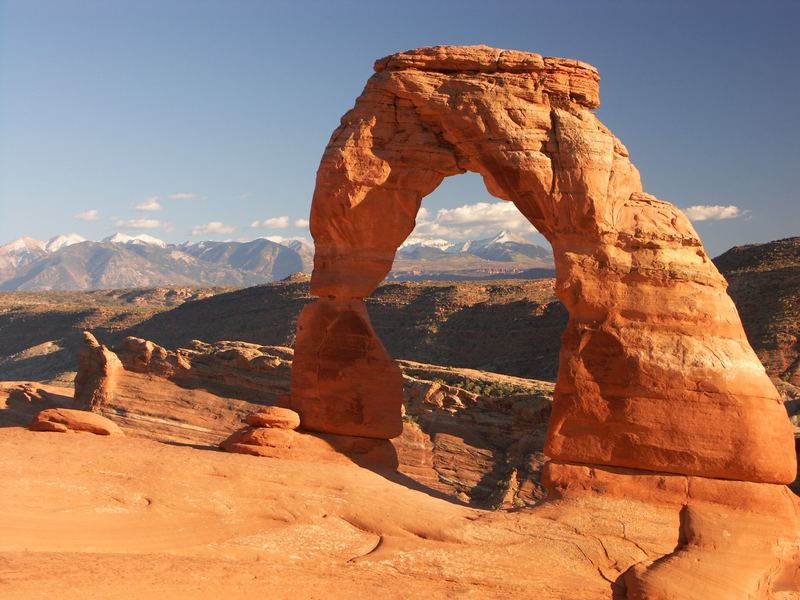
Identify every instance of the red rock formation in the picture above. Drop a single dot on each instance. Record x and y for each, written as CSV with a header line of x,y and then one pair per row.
x,y
736,539
63,420
97,375
454,441
355,388
659,398
274,416
21,401
654,353
194,395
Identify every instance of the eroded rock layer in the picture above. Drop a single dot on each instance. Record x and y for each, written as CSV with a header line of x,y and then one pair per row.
x,y
470,434
654,360
196,395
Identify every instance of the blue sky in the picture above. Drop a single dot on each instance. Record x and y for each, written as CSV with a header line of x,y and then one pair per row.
x,y
218,112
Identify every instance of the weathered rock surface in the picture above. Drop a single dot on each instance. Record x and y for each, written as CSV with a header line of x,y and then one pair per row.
x,y
21,401
274,416
271,433
654,350
357,388
476,435
124,517
194,395
320,448
470,434
63,420
735,539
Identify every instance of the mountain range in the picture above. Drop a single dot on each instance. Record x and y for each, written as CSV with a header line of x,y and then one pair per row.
x,y
122,261
503,256
71,262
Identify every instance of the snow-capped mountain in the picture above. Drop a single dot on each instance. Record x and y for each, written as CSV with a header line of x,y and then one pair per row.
x,y
440,244
62,241
501,256
504,247
23,245
70,262
26,245
142,238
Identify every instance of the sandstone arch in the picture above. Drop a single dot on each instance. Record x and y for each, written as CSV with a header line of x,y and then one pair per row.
x,y
655,370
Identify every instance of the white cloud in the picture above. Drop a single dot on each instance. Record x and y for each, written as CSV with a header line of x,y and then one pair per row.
x,y
216,227
471,221
142,224
150,203
703,212
89,215
183,196
272,223
301,223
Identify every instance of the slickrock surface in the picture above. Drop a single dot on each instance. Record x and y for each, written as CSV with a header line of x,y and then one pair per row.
x,y
271,432
321,448
654,350
63,420
124,517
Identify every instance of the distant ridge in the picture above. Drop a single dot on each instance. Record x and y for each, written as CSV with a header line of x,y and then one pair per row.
x,y
72,263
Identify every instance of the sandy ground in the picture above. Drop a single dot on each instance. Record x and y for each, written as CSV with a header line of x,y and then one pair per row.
x,y
85,516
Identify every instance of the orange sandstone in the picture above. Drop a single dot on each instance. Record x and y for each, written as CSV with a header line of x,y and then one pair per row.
x,y
656,372
63,420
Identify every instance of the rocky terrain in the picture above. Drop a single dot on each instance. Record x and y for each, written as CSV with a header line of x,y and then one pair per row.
x,y
125,517
40,332
653,352
764,282
468,434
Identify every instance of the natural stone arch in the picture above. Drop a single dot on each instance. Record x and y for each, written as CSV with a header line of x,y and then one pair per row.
x,y
655,370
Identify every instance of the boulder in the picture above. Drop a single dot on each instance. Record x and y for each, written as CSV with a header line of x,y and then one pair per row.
x,y
65,419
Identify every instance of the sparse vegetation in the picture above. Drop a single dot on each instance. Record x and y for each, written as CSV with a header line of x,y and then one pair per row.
x,y
411,419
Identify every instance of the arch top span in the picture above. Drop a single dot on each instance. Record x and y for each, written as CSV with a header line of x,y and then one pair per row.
x,y
520,120
655,370
575,79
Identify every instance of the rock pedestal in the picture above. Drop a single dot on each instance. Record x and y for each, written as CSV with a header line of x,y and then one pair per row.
x,y
352,386
271,433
